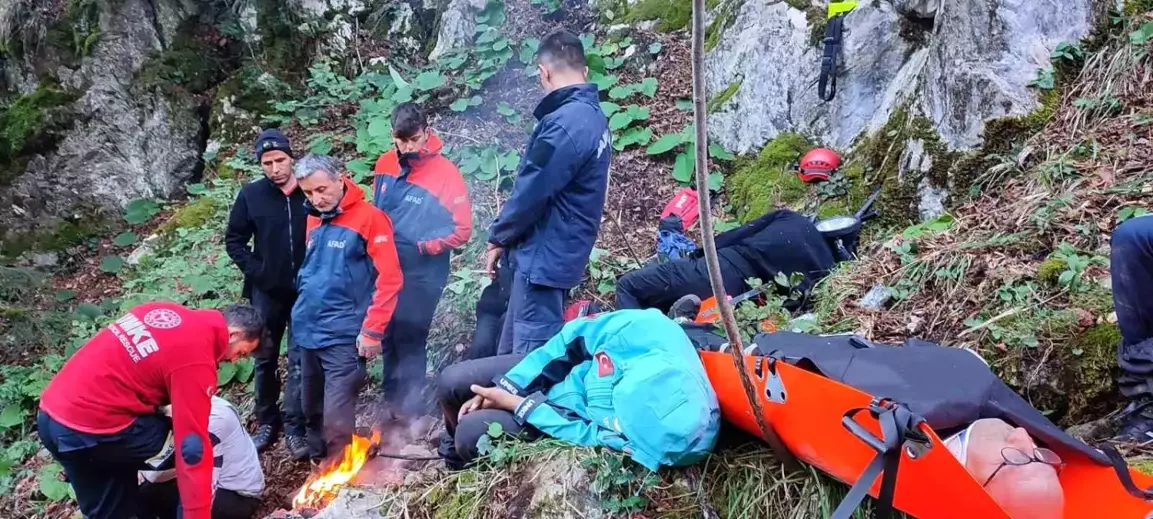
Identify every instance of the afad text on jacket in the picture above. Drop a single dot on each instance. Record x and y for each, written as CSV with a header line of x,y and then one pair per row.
x,y
426,199
351,275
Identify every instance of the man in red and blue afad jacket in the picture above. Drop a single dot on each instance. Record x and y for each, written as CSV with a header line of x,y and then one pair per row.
x,y
348,287
99,416
424,195
551,221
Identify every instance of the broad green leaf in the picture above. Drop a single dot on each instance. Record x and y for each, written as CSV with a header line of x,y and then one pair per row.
x,y
380,127
685,105
664,144
111,264
634,136
225,373
620,120
63,296
613,63
500,44
683,169
621,92
1142,35
717,151
125,239
459,105
196,189
50,484
495,429
429,80
1066,277
11,416
596,64
397,78
648,86
504,109
360,168
604,82
609,108
244,370
475,100
716,181
403,95
488,36
655,47
89,310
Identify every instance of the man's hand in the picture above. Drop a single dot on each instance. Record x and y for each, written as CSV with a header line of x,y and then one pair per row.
x,y
475,403
367,347
494,254
499,398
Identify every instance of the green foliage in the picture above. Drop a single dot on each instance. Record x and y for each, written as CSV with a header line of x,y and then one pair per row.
x,y
52,486
1135,7
761,183
192,215
723,97
648,87
1129,212
31,124
111,264
547,7
140,211
1074,266
671,15
604,269
1142,35
189,64
484,162
239,371
619,482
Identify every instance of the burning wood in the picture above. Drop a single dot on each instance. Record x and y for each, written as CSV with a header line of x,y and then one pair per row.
x,y
323,486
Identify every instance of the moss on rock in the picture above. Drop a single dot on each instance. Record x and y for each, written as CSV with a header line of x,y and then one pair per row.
x,y
766,181
192,215
1087,372
1050,270
723,96
724,18
1134,7
670,15
31,124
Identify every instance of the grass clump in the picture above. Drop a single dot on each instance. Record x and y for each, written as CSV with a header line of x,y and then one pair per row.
x,y
759,184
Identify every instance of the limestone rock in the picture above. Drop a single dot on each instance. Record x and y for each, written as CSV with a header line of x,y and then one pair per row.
x,y
972,63
354,503
560,487
457,26
930,199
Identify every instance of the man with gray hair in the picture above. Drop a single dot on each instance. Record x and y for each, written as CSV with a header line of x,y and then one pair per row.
x,y
348,287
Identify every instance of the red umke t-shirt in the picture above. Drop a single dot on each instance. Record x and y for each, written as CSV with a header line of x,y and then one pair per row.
x,y
156,354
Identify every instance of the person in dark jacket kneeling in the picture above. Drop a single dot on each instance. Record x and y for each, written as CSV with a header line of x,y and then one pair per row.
x,y
424,195
551,221
270,213
348,290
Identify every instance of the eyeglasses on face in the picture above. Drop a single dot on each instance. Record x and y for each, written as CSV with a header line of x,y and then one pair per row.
x,y
1017,457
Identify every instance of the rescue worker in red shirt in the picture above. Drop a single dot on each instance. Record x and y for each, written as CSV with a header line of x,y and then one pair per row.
x,y
99,416
348,288
425,196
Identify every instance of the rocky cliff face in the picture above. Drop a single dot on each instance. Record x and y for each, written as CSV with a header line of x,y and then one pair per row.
x,y
107,101
951,66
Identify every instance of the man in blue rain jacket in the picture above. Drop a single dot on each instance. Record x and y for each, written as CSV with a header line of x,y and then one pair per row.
x,y
629,380
551,220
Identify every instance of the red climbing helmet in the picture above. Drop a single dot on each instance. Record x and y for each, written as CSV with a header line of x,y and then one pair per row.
x,y
818,164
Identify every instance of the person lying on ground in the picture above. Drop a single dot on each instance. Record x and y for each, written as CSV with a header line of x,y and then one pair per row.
x,y
270,213
550,222
237,479
629,380
348,289
98,415
778,242
992,430
425,196
1131,270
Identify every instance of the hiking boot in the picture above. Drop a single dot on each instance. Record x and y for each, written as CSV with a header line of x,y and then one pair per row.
x,y
297,447
1136,423
685,308
265,437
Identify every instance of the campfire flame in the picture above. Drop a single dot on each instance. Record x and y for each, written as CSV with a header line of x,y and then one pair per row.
x,y
323,486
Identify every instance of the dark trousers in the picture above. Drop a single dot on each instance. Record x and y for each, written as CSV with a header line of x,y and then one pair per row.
x,y
490,312
535,313
160,501
405,346
458,445
1131,269
102,468
331,379
659,285
277,312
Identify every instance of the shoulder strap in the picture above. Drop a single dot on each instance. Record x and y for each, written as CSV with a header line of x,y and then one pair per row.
x,y
898,424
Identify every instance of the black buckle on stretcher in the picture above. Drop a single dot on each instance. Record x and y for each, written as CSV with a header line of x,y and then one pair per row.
x,y
900,432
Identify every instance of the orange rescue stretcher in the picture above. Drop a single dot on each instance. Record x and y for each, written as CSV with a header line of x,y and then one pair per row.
x,y
814,417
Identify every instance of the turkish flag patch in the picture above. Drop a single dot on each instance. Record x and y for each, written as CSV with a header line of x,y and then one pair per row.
x,y
604,364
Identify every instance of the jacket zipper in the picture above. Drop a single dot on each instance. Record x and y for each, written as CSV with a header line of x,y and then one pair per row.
x,y
291,247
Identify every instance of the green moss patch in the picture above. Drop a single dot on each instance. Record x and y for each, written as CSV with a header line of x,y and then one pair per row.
x,y
1050,270
31,124
725,16
759,184
191,216
59,237
670,15
1134,7
190,63
723,96
1087,372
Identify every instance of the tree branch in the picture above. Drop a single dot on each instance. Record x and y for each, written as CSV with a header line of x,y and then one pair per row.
x,y
706,220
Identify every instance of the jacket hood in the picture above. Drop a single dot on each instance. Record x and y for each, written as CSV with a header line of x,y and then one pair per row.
x,y
582,93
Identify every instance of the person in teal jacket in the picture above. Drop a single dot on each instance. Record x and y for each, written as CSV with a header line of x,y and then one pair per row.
x,y
629,380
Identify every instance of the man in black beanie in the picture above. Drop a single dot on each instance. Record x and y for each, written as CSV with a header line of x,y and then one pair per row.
x,y
270,212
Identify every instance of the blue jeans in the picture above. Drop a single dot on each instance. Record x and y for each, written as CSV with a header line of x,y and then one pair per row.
x,y
535,314
102,468
1131,268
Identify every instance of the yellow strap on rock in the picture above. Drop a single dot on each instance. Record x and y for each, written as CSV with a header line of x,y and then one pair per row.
x,y
838,8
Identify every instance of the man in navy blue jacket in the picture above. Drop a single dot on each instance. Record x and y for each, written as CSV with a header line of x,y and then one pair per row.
x,y
551,221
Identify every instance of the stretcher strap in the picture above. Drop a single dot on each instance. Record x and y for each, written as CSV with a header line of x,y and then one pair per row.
x,y
897,424
827,84
1122,469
